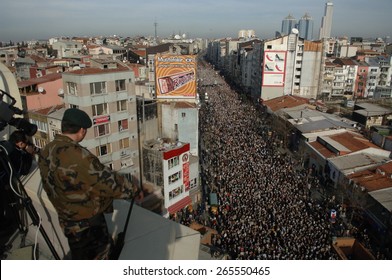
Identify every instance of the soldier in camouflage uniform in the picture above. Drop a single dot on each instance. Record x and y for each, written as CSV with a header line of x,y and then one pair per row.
x,y
81,188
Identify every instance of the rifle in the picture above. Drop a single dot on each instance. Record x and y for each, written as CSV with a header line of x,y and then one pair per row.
x,y
119,243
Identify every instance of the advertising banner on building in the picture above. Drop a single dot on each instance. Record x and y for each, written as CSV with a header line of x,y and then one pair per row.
x,y
185,171
101,120
175,76
274,68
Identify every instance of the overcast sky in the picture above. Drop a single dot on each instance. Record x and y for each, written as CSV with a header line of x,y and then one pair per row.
x,y
22,20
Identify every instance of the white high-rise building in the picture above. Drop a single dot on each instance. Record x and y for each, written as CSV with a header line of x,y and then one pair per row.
x,y
326,22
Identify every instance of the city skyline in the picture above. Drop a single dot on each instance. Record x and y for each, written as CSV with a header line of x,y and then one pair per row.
x,y
42,19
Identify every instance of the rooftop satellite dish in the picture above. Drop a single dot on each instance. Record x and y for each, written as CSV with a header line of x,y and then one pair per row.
x,y
294,31
41,89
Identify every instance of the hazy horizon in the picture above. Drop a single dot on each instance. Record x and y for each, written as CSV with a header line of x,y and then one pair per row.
x,y
24,20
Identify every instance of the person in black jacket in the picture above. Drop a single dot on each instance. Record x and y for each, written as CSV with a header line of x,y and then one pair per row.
x,y
22,153
17,156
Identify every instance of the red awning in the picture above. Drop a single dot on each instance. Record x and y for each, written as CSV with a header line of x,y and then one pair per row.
x,y
179,205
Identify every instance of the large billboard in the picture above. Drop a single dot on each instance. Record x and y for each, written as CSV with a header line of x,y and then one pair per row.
x,y
274,68
175,76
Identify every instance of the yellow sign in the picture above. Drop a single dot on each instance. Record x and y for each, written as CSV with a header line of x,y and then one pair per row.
x,y
175,76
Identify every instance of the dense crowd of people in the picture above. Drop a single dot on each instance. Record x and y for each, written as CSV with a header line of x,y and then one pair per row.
x,y
264,209
269,206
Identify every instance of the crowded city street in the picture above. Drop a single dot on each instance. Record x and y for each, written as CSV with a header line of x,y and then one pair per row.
x,y
266,202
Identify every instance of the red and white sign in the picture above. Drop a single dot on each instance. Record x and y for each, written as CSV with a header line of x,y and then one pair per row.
x,y
102,119
274,68
185,172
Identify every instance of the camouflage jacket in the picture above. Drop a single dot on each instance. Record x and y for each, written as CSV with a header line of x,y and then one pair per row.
x,y
77,184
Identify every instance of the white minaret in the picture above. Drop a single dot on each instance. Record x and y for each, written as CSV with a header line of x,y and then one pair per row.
x,y
326,22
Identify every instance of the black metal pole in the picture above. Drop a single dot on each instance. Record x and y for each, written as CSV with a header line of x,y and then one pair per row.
x,y
27,203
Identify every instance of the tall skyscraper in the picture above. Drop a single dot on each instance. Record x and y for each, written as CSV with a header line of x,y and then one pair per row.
x,y
305,27
288,24
326,22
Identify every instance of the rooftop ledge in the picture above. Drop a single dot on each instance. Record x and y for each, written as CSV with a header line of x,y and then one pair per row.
x,y
149,236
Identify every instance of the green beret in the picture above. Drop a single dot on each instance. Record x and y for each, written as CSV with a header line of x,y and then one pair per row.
x,y
77,117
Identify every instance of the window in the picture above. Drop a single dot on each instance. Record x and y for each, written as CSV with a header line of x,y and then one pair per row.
x,y
193,183
101,130
121,105
98,88
124,143
175,177
42,126
103,150
176,192
123,125
72,88
120,85
173,162
100,109
183,114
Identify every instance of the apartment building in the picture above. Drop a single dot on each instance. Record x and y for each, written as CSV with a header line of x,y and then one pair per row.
x,y
23,66
8,55
308,76
312,69
338,85
179,121
349,70
106,92
67,48
372,80
283,69
268,69
173,171
327,79
380,75
216,52
360,89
